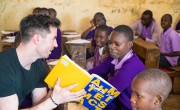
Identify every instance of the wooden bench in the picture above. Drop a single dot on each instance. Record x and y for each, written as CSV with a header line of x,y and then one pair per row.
x,y
147,52
174,73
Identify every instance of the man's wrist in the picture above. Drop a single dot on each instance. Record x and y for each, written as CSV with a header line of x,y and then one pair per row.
x,y
53,101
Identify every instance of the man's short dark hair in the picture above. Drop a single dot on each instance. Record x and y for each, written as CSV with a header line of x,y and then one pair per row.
x,y
126,30
149,13
36,23
104,28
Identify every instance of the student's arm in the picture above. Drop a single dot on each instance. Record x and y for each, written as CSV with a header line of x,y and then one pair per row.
x,y
155,35
134,26
86,32
59,95
103,69
172,54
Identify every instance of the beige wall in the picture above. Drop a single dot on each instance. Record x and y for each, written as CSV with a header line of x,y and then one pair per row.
x,y
76,14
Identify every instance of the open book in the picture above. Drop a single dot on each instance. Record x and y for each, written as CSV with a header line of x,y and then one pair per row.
x,y
99,92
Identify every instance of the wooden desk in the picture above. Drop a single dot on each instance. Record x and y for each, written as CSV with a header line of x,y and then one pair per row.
x,y
65,38
148,52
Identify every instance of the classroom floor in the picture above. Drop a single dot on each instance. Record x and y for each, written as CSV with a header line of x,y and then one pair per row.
x,y
172,103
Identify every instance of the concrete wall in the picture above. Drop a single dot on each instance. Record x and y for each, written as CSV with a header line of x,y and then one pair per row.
x,y
76,14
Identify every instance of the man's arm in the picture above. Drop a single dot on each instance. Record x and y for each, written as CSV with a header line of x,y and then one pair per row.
x,y
58,95
9,102
86,32
38,95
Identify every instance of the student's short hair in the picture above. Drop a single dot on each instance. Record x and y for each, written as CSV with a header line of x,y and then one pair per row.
x,y
169,16
36,23
126,30
160,82
149,13
36,9
52,10
104,28
44,11
101,15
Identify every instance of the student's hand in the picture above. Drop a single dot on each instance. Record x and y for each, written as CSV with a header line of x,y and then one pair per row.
x,y
63,95
92,23
142,37
137,34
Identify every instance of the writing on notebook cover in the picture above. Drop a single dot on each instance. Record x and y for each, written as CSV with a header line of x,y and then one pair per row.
x,y
99,94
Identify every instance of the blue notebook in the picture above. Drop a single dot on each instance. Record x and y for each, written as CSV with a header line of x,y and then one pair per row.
x,y
99,93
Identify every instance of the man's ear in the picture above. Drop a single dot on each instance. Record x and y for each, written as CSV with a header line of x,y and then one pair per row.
x,y
36,38
158,100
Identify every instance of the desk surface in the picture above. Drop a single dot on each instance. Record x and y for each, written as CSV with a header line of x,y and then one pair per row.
x,y
145,44
148,52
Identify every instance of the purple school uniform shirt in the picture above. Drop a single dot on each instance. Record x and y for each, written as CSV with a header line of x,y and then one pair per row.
x,y
170,42
56,53
120,79
178,26
91,34
152,33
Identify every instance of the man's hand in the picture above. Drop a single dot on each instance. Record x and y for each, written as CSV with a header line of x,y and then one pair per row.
x,y
62,95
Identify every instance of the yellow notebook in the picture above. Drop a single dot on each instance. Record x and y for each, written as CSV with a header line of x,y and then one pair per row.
x,y
99,93
69,73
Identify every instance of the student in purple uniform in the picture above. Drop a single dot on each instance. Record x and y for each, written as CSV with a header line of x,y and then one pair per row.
x,y
121,66
99,19
147,28
150,89
56,53
101,51
170,43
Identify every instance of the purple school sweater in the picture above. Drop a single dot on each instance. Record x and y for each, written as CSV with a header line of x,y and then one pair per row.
x,y
56,53
178,26
121,80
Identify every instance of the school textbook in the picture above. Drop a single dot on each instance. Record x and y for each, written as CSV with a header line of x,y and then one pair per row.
x,y
99,93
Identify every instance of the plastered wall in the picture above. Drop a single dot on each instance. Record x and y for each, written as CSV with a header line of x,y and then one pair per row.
x,y
76,14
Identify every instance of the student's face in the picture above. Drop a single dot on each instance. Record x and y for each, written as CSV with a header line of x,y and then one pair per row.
x,y
119,45
141,97
146,20
98,20
48,43
101,38
165,22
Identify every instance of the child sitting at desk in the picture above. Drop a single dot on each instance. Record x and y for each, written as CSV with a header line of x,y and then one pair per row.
x,y
146,28
170,43
150,89
120,67
101,51
99,19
